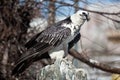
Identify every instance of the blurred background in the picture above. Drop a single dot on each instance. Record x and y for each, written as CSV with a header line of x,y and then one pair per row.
x,y
100,37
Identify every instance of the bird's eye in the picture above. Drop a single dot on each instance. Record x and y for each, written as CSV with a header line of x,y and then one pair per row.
x,y
83,13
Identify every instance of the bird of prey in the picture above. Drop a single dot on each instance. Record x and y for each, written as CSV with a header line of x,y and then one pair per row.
x,y
54,42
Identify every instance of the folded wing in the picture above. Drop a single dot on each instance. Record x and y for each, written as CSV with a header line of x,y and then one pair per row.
x,y
40,44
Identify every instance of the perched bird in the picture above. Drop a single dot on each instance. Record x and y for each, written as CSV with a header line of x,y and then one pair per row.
x,y
53,42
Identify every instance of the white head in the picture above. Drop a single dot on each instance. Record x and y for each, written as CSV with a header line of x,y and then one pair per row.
x,y
79,17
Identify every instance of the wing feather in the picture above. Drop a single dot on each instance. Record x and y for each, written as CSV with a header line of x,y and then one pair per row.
x,y
41,43
46,41
32,41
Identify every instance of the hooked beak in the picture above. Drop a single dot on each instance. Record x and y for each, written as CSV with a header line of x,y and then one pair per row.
x,y
86,16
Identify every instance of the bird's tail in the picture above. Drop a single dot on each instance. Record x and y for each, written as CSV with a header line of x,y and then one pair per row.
x,y
23,64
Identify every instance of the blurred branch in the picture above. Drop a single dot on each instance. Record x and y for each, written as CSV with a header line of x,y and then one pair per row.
x,y
76,3
51,14
118,21
93,63
98,12
5,60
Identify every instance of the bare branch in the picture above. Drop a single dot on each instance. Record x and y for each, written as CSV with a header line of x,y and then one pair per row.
x,y
118,21
93,63
98,12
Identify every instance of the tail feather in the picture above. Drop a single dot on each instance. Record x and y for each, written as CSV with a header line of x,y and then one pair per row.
x,y
19,68
22,65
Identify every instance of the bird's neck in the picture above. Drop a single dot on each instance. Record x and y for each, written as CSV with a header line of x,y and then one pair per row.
x,y
77,21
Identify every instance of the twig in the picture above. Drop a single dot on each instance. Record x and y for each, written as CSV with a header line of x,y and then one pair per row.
x,y
118,21
93,63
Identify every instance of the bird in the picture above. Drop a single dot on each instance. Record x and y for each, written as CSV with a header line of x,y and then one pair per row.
x,y
53,42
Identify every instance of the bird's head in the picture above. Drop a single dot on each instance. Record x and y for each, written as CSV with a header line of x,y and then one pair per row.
x,y
80,17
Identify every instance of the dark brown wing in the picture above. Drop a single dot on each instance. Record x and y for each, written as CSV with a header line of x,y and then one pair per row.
x,y
47,40
74,41
41,44
32,41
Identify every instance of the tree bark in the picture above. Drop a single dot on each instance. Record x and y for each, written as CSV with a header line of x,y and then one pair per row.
x,y
77,5
51,13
